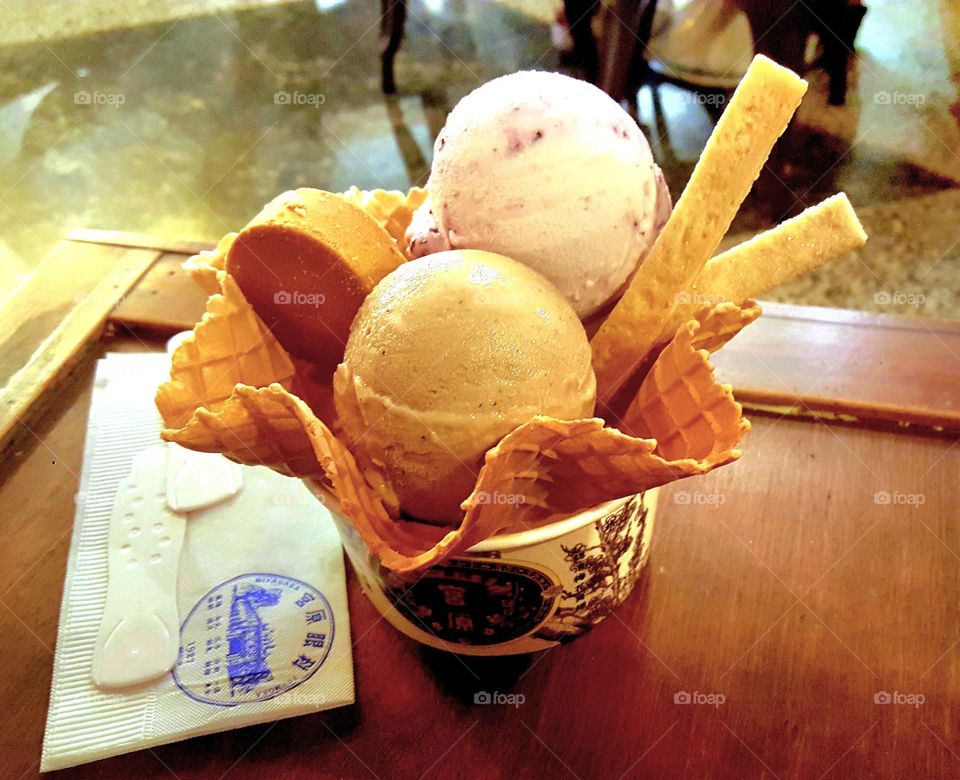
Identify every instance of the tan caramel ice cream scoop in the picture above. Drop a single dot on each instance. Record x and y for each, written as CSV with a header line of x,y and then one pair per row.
x,y
447,355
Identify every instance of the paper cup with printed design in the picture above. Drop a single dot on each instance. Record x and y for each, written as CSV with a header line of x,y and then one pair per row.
x,y
518,592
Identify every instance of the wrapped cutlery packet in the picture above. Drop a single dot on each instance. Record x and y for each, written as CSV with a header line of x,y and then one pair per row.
x,y
200,595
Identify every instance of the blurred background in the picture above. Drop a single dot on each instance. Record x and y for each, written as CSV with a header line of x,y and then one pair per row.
x,y
180,118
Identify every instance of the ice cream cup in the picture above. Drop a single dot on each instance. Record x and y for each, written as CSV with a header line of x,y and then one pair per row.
x,y
517,592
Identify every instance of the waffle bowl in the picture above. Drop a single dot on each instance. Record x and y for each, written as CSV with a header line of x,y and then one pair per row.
x,y
557,528
233,390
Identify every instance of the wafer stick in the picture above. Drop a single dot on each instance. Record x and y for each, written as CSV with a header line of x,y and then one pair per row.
x,y
785,252
758,113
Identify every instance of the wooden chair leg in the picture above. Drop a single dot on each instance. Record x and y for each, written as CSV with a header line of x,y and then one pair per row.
x,y
842,24
579,15
780,29
626,26
393,17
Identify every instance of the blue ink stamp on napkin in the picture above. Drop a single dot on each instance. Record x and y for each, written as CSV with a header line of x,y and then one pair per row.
x,y
253,638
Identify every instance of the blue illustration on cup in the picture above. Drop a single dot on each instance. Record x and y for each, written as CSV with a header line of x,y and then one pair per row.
x,y
253,638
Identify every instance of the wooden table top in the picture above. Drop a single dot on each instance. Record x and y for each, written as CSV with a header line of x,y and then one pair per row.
x,y
787,597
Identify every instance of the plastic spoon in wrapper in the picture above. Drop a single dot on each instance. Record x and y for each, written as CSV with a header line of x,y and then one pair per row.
x,y
139,634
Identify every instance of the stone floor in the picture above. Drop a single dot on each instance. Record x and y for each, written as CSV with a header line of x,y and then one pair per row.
x,y
181,119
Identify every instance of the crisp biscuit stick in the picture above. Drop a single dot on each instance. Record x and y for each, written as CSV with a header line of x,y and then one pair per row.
x,y
785,252
758,113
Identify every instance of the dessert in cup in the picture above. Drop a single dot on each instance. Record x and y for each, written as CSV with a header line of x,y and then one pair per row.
x,y
422,359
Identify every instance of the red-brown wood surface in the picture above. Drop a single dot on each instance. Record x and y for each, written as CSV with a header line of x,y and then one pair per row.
x,y
870,366
797,584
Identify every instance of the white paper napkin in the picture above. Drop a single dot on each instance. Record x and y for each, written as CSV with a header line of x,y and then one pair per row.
x,y
261,603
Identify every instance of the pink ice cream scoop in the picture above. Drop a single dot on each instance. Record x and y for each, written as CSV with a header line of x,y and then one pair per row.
x,y
552,172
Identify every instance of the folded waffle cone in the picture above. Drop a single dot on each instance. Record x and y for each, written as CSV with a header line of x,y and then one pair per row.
x,y
204,267
234,390
391,209
229,346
